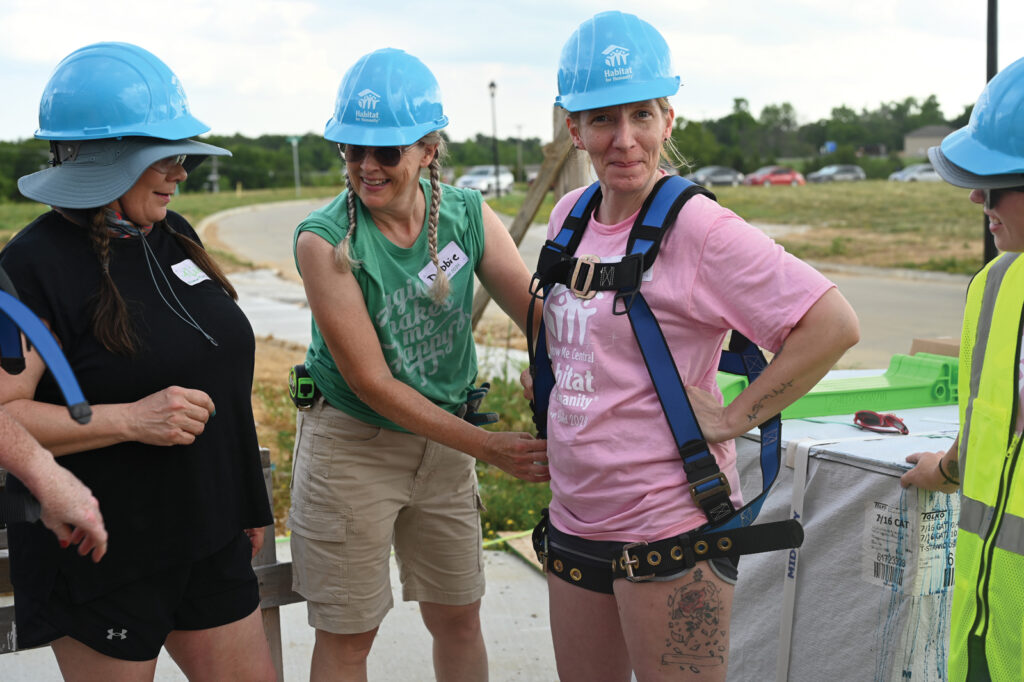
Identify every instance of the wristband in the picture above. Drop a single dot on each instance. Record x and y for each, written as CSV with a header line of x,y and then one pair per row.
x,y
945,476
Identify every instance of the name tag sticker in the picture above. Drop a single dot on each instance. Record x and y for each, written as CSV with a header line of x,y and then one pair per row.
x,y
189,273
451,258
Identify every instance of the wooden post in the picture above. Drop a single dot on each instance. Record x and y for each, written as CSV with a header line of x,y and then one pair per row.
x,y
576,171
267,556
564,169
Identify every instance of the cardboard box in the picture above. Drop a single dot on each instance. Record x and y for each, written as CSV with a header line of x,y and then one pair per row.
x,y
940,345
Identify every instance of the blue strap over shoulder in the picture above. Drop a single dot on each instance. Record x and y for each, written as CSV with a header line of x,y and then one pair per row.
x,y
15,316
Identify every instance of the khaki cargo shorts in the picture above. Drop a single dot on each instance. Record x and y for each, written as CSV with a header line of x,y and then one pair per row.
x,y
358,489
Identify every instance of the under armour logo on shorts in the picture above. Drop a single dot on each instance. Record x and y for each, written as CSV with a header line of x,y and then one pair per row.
x,y
120,635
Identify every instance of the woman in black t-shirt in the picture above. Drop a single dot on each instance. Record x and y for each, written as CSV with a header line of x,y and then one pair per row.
x,y
165,357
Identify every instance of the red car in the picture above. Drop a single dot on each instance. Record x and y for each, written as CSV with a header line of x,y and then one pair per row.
x,y
774,175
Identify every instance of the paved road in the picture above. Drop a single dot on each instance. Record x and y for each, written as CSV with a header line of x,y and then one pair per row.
x,y
894,306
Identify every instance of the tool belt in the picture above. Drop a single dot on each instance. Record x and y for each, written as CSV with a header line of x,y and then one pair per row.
x,y
642,561
303,391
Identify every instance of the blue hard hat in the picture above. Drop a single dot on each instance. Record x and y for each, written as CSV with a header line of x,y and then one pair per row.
x,y
388,98
614,58
110,90
988,153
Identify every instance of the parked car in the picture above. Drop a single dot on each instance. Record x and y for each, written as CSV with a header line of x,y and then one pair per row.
x,y
708,176
774,175
481,178
837,173
918,172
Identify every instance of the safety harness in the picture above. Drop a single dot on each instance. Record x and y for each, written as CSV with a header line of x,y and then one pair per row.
x,y
727,531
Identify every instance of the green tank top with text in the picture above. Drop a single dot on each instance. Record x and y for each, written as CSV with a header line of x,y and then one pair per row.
x,y
427,346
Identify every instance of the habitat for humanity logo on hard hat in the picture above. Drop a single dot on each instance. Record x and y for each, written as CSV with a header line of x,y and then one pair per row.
x,y
367,112
616,58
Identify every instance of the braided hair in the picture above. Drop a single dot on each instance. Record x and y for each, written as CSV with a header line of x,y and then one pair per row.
x,y
111,322
345,261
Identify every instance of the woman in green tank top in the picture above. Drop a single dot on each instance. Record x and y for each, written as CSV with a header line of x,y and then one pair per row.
x,y
384,458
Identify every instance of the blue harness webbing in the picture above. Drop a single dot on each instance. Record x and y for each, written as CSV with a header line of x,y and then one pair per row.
x,y
707,484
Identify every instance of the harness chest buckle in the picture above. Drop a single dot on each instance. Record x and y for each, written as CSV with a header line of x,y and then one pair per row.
x,y
629,563
588,262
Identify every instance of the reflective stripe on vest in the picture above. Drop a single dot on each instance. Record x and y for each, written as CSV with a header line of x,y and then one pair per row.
x,y
976,516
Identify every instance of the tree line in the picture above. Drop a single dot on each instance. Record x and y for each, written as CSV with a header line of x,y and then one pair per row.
x,y
870,138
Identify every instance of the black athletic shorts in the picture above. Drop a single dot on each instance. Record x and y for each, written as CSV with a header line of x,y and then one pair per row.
x,y
132,622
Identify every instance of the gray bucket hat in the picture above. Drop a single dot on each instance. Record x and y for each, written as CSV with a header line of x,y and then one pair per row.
x,y
92,173
960,177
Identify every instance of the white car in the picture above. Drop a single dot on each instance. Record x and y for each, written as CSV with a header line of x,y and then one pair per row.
x,y
918,172
481,178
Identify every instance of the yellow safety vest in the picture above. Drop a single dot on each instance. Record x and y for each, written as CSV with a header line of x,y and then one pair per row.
x,y
987,622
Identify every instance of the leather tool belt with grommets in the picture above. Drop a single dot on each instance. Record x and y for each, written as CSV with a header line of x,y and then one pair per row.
x,y
640,561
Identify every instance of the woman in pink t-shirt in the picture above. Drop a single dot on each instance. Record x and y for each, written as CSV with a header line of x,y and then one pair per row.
x,y
616,475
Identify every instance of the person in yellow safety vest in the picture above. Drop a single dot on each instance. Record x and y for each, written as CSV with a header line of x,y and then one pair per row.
x,y
987,623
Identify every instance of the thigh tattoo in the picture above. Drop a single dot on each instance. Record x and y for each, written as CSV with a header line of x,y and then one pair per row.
x,y
695,639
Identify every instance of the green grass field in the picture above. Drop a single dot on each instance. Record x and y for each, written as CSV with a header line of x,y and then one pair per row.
x,y
873,205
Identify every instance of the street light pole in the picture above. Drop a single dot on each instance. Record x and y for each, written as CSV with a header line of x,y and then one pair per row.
x,y
519,154
494,139
295,162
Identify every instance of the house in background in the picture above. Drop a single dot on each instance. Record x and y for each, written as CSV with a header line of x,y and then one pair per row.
x,y
917,142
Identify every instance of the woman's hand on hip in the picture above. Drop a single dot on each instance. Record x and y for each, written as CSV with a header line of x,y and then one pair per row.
x,y
173,416
710,414
519,454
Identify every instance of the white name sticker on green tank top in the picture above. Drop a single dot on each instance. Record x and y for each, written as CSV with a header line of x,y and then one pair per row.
x,y
451,259
189,273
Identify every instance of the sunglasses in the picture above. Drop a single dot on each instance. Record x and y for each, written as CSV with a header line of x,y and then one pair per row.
x,y
388,157
992,196
168,164
882,423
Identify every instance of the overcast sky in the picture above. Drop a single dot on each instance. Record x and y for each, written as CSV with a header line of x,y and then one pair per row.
x,y
273,66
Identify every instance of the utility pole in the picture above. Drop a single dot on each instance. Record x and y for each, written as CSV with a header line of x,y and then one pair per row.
x,y
295,162
519,153
991,67
494,138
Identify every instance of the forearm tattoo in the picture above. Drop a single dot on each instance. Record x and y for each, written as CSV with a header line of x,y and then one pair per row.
x,y
759,404
695,639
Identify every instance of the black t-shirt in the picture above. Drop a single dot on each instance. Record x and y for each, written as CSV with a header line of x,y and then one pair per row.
x,y
161,505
